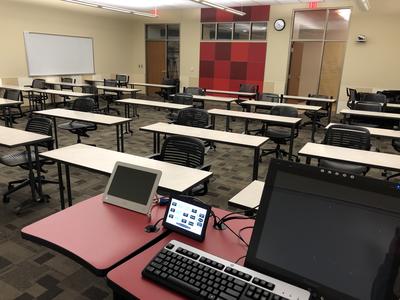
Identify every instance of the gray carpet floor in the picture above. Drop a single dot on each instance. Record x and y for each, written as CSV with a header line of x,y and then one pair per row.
x,y
30,271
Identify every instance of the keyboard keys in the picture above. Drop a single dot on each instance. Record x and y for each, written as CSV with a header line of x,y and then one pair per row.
x,y
264,284
211,263
237,273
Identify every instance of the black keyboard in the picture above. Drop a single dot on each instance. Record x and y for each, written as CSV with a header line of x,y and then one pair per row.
x,y
200,275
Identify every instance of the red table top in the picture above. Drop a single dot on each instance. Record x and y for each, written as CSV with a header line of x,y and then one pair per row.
x,y
96,234
127,277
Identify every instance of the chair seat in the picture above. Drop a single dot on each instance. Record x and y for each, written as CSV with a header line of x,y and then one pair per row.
x,y
364,124
396,144
278,133
16,158
319,113
75,125
343,167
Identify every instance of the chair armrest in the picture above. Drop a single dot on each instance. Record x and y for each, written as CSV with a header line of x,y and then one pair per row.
x,y
205,167
155,156
209,126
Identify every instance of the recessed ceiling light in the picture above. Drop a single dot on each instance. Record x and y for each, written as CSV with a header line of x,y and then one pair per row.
x,y
220,6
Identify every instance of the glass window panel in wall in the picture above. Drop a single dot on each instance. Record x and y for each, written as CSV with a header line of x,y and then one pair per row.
x,y
242,31
224,31
155,32
259,31
208,31
338,24
173,31
309,25
173,59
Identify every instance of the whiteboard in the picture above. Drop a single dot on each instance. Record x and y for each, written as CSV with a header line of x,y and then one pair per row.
x,y
53,54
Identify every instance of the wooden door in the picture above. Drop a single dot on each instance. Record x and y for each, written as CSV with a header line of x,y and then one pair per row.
x,y
155,63
296,58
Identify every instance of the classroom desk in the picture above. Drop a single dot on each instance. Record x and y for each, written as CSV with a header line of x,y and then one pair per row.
x,y
10,138
94,81
249,197
97,235
86,117
157,85
347,113
5,106
270,119
71,84
372,159
268,104
15,87
329,101
126,280
139,102
377,132
119,90
393,105
174,178
236,139
53,93
238,94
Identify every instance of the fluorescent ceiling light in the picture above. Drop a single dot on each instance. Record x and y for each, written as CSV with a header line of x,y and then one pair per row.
x,y
222,7
112,8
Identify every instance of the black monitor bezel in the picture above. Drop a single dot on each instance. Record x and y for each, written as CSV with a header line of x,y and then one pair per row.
x,y
180,230
366,183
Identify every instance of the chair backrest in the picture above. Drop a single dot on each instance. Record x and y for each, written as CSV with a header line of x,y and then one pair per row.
x,y
348,136
372,97
68,80
12,95
183,98
184,151
194,117
89,89
369,106
84,104
194,91
270,97
122,78
284,111
41,126
324,105
249,88
353,96
39,83
110,82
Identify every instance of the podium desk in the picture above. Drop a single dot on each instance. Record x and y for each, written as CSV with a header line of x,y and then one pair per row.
x,y
127,282
97,235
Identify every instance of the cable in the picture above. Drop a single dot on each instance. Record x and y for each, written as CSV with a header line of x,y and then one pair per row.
x,y
240,259
244,228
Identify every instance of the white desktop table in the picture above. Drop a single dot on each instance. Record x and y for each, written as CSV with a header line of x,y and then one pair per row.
x,y
70,84
5,106
377,132
347,113
174,178
249,197
119,90
10,138
236,139
87,117
157,85
372,159
237,93
270,119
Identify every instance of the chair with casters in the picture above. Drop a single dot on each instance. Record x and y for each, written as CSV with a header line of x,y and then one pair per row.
x,y
180,98
188,152
196,91
122,80
20,158
348,136
268,97
37,99
109,96
164,93
280,134
91,89
396,146
319,114
247,88
15,109
353,97
81,128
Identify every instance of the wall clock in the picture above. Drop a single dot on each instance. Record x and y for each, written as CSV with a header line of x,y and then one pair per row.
x,y
279,24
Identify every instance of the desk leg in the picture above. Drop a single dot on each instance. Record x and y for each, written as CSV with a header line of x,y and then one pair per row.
x,y
154,142
38,174
118,139
55,131
31,174
330,112
68,178
291,142
61,185
121,134
314,123
213,121
256,162
127,115
158,142
5,116
246,126
228,107
308,160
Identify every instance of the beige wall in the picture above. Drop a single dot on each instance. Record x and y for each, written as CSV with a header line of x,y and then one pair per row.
x,y
112,47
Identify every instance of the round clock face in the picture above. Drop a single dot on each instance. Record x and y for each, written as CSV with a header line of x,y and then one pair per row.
x,y
279,24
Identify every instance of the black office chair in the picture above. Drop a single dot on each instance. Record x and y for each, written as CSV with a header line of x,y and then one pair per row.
x,y
347,136
15,109
110,97
91,89
352,97
367,121
67,80
196,91
188,152
81,128
38,99
248,88
180,98
269,97
396,146
319,114
122,80
20,158
281,134
164,93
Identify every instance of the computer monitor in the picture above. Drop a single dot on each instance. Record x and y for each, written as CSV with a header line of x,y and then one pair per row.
x,y
333,233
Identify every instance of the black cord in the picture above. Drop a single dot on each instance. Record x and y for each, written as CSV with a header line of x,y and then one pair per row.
x,y
244,228
155,225
247,245
240,259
